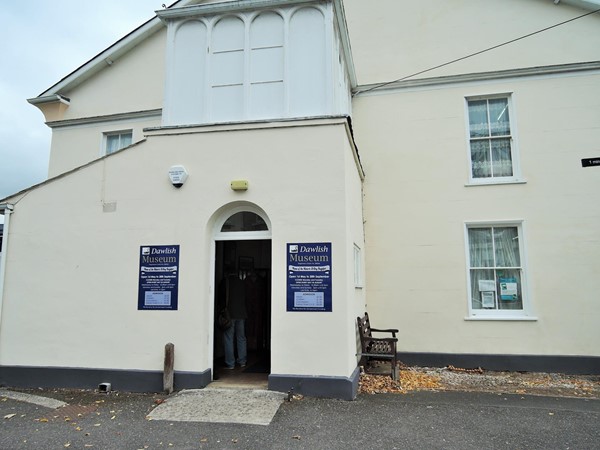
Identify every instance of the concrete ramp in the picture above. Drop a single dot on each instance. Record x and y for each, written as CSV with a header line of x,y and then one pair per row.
x,y
254,407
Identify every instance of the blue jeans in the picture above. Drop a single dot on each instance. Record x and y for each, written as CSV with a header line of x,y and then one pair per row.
x,y
237,328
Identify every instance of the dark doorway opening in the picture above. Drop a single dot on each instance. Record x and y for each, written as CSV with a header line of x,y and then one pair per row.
x,y
250,262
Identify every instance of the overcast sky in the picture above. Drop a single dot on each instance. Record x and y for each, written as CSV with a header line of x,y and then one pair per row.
x,y
42,41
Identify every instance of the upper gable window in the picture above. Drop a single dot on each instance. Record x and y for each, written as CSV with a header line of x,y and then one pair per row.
x,y
250,65
491,140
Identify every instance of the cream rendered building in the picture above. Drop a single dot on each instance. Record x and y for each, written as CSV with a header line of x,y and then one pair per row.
x,y
456,202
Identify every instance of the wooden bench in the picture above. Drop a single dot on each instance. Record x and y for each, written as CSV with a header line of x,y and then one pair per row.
x,y
377,349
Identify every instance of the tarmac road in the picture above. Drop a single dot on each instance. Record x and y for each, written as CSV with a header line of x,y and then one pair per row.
x,y
421,420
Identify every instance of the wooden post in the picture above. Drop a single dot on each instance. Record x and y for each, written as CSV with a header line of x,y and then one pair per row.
x,y
169,368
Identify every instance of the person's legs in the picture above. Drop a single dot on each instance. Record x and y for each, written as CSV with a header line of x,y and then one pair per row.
x,y
228,344
240,335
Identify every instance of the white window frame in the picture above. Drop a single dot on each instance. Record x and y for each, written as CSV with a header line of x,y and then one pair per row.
x,y
120,133
516,177
500,314
358,267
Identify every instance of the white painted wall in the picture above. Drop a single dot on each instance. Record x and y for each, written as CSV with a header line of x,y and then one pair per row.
x,y
414,149
76,145
392,39
134,82
72,272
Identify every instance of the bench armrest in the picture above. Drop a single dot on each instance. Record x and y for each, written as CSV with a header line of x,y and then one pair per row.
x,y
390,330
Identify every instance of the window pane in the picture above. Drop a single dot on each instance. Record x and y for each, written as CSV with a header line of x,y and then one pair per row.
x,y
481,296
267,31
266,65
506,241
481,250
501,157
227,103
499,122
266,100
125,140
478,120
481,166
244,221
228,68
228,34
112,143
117,141
509,289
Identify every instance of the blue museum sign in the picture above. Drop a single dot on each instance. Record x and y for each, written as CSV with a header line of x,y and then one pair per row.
x,y
309,277
159,277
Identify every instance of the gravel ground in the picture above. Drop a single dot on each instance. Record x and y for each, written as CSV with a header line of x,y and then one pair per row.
x,y
457,379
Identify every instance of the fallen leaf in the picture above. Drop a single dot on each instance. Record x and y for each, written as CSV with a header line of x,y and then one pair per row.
x,y
97,424
296,437
204,440
113,418
234,441
9,416
68,444
43,419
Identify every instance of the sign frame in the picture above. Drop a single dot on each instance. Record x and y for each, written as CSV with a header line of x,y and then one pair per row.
x,y
158,278
309,277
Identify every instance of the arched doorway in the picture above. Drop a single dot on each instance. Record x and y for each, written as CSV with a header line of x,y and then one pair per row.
x,y
242,243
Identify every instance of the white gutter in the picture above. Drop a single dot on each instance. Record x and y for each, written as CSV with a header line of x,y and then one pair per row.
x,y
7,208
49,99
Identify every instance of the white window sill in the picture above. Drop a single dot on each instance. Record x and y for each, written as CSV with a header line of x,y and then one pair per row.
x,y
504,318
493,182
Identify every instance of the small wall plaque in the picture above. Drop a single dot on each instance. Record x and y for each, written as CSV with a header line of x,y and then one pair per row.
x,y
590,162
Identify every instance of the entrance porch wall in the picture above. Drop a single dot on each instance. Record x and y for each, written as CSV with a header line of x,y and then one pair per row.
x,y
72,269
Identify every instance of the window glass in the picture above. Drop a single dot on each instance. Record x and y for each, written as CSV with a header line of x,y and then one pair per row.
x,y
478,120
499,124
496,275
490,138
117,141
244,221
